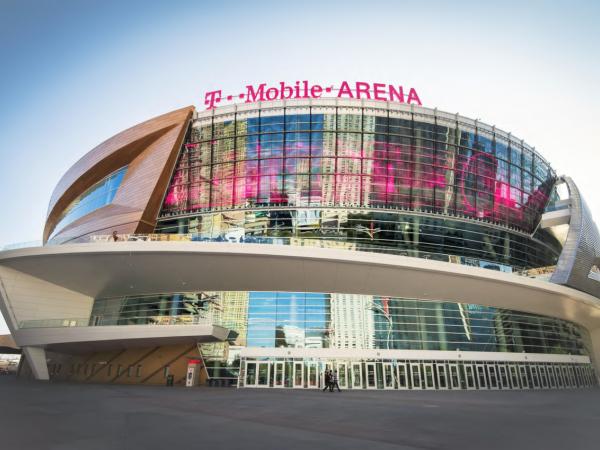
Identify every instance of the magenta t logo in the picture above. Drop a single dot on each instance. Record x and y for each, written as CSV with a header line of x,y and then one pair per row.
x,y
211,98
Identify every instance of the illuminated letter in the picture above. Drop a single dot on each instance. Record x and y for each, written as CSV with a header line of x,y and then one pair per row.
x,y
362,88
379,92
259,94
305,87
316,91
285,91
396,95
211,98
412,96
272,93
345,90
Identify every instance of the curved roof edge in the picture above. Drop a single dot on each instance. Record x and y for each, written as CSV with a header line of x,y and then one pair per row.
x,y
582,246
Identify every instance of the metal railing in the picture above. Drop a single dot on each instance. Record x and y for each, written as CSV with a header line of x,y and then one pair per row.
x,y
95,321
542,273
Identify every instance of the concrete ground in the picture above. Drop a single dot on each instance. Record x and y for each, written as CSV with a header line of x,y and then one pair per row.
x,y
37,415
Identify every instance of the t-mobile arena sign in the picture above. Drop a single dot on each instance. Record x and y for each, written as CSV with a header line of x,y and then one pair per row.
x,y
304,89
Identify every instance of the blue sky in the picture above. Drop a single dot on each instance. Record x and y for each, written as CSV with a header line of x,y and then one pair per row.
x,y
74,73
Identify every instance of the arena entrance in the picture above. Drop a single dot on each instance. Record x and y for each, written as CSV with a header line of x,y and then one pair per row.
x,y
462,371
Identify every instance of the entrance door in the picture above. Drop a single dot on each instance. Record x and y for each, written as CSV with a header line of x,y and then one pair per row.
x,y
312,375
342,368
356,374
415,375
371,375
579,373
388,376
560,379
543,376
429,376
442,376
535,377
565,376
279,378
481,378
514,377
572,376
454,376
470,376
263,374
298,374
523,376
492,376
503,377
250,374
402,375
552,382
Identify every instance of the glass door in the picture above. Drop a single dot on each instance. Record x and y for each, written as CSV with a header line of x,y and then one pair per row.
x,y
470,376
298,374
279,379
402,375
442,377
388,376
312,375
415,375
503,377
551,377
429,376
492,376
535,378
481,378
523,376
543,376
356,374
250,374
514,377
263,371
371,375
342,368
454,376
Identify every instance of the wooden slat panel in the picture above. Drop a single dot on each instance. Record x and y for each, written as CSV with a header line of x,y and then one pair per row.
x,y
150,149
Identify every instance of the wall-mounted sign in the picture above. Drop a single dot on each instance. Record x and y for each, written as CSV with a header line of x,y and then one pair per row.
x,y
304,89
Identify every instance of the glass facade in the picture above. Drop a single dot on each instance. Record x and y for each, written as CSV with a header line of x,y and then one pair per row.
x,y
99,195
376,180
320,320
359,157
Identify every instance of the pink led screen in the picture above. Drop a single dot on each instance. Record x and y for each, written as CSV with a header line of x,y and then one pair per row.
x,y
358,160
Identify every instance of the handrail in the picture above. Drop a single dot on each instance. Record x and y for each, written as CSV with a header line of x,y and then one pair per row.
x,y
95,321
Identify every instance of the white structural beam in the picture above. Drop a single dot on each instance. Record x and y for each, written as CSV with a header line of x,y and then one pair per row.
x,y
102,338
555,218
133,268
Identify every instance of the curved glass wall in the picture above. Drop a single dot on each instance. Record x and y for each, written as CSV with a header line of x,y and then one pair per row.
x,y
408,234
318,320
359,157
99,195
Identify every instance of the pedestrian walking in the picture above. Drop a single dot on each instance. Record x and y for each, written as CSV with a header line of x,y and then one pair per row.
x,y
334,382
327,380
115,236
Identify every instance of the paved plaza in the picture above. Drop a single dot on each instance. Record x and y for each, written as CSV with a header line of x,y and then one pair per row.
x,y
38,415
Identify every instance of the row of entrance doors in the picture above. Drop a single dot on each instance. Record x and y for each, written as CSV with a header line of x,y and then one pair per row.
x,y
415,375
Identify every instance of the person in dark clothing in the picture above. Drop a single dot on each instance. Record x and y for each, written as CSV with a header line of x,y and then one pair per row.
x,y
327,380
115,237
333,383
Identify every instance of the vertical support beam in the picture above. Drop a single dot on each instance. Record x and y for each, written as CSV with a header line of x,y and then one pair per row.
x,y
36,358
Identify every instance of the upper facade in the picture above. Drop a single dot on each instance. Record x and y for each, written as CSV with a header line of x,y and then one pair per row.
x,y
355,174
354,154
